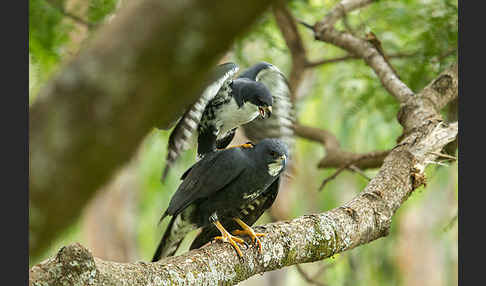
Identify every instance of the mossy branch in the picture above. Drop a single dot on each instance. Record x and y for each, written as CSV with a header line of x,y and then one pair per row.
x,y
308,238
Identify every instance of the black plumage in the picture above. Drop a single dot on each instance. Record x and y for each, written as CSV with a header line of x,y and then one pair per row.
x,y
220,187
240,103
280,124
249,214
224,105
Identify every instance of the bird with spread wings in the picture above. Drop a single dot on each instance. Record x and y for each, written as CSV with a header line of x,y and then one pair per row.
x,y
258,99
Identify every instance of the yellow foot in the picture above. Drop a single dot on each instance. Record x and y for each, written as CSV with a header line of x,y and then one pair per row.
x,y
250,232
246,145
227,237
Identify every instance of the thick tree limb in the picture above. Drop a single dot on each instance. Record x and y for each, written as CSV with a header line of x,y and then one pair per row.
x,y
431,100
304,239
141,70
309,238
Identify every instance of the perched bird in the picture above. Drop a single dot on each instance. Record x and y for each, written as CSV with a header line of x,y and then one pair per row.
x,y
280,126
221,186
225,105
249,215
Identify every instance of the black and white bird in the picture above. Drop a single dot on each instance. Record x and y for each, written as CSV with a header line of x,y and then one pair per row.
x,y
226,104
280,125
221,187
249,215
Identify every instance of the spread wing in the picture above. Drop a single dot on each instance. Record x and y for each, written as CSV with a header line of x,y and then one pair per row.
x,y
180,137
209,175
280,124
265,202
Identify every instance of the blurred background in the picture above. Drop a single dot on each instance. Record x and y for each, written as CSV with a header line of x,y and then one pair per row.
x,y
343,97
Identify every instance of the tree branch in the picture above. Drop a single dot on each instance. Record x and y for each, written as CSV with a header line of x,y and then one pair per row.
x,y
324,31
341,9
306,276
308,238
91,117
431,100
353,57
335,156
288,28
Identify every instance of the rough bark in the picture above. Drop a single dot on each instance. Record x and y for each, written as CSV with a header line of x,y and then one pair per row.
x,y
140,70
423,106
309,238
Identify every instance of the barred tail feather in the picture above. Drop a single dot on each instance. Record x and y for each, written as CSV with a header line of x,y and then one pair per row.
x,y
179,139
172,238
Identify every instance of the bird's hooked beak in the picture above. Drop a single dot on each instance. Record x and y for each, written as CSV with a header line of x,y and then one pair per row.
x,y
265,112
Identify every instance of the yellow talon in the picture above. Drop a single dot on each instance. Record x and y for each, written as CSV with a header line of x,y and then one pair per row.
x,y
227,237
247,230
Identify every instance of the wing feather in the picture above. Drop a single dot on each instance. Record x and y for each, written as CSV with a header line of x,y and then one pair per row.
x,y
209,175
179,139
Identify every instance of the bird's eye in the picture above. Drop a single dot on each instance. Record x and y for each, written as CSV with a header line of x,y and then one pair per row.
x,y
273,154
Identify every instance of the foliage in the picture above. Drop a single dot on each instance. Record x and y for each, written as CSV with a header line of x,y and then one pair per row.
x,y
345,98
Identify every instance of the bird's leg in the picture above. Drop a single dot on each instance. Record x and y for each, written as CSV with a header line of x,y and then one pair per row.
x,y
248,231
227,237
246,145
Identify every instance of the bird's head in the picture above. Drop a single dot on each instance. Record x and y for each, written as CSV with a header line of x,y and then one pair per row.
x,y
274,153
255,93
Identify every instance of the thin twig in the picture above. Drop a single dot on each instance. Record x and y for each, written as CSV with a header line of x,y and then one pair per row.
x,y
436,163
332,177
443,155
305,24
347,25
307,277
351,166
451,223
445,55
322,270
354,57
359,171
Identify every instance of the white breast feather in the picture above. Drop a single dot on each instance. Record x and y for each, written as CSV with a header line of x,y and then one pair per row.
x,y
232,116
275,168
